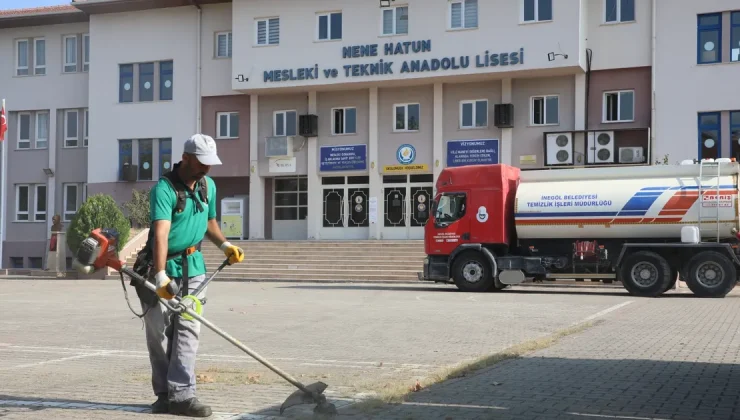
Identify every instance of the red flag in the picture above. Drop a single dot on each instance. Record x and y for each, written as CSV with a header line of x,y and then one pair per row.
x,y
3,122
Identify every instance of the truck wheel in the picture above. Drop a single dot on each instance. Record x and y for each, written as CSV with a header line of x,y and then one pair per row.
x,y
645,274
711,274
472,272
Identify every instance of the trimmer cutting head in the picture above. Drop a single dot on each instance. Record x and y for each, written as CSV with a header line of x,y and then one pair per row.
x,y
315,395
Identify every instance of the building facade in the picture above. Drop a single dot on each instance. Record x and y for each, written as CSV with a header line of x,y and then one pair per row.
x,y
697,105
335,117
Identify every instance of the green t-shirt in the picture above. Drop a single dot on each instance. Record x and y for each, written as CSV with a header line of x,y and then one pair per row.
x,y
187,228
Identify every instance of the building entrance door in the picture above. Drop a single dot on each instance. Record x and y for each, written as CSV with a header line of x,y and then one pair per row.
x,y
344,213
406,200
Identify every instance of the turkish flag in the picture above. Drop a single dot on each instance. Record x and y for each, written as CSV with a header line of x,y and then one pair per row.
x,y
3,123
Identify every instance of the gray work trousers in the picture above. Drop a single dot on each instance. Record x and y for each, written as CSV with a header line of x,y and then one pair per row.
x,y
172,342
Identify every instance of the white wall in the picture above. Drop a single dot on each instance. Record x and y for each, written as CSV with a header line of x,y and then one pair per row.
x,y
499,31
621,44
216,76
162,34
684,88
35,92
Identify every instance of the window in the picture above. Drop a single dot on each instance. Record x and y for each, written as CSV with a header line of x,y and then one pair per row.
x,y
22,200
223,44
86,52
284,123
24,130
87,128
407,117
537,10
35,262
619,11
16,262
268,31
709,38
344,121
329,26
39,213
125,83
735,36
735,134
71,129
474,114
709,135
166,80
147,89
146,82
227,125
70,53
125,156
146,160
42,130
463,14
291,198
545,110
39,54
165,156
21,64
70,201
619,106
451,208
395,20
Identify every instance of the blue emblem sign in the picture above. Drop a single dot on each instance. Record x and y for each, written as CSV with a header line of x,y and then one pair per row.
x,y
351,157
472,152
406,154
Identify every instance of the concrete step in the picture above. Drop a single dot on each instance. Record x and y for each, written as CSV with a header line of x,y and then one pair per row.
x,y
313,277
324,261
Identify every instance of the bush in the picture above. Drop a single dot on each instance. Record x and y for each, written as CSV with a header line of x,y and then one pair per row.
x,y
98,211
137,208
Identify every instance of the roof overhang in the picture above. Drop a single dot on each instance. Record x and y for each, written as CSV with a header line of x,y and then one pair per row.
x,y
41,16
95,7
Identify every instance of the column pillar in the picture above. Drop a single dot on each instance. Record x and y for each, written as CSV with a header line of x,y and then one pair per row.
x,y
376,189
438,149
51,190
315,199
256,182
507,134
580,142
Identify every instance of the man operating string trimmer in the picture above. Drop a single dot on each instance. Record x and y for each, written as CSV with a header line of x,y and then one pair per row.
x,y
182,212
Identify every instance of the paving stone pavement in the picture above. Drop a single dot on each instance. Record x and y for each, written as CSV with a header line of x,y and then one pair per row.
x,y
66,354
669,358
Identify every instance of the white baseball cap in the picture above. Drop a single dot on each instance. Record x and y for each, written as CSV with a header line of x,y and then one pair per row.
x,y
204,148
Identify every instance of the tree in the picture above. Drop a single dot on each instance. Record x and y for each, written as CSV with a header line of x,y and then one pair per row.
x,y
138,207
98,211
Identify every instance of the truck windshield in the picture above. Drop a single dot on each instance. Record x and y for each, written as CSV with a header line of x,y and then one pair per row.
x,y
450,208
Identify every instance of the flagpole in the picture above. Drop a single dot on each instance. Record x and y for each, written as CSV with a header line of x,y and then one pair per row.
x,y
4,192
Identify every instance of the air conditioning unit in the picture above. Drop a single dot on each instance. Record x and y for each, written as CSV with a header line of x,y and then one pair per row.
x,y
601,147
559,149
631,155
279,146
503,115
130,173
308,125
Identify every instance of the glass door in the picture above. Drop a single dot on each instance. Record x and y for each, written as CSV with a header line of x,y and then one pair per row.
x,y
406,201
344,207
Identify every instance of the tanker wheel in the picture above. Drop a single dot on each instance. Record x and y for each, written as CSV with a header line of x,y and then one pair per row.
x,y
710,274
645,274
472,272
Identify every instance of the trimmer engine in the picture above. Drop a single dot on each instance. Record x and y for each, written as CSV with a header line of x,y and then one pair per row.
x,y
98,251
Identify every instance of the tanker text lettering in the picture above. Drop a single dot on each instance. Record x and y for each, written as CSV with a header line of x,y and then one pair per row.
x,y
570,200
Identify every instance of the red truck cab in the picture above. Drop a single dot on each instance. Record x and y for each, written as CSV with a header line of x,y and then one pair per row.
x,y
473,205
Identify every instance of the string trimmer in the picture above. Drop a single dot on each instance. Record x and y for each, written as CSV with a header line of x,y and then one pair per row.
x,y
98,251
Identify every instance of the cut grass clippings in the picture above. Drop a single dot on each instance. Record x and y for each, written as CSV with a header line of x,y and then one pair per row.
x,y
396,393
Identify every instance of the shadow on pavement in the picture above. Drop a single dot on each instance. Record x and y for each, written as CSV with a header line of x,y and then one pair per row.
x,y
38,404
518,290
560,388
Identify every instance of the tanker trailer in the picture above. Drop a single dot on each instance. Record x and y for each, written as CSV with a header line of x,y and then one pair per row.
x,y
642,225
